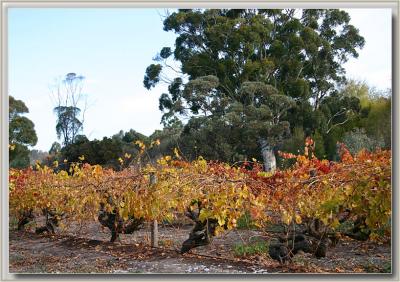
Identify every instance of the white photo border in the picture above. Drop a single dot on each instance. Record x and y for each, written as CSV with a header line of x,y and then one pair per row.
x,y
5,5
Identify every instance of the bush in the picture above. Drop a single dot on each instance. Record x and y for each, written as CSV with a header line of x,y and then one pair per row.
x,y
357,140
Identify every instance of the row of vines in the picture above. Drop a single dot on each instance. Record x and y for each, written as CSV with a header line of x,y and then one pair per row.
x,y
357,188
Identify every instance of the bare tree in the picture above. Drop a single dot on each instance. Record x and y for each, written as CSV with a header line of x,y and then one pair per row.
x,y
70,106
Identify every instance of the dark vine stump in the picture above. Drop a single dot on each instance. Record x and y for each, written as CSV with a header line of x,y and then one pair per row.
x,y
25,217
116,224
202,231
52,221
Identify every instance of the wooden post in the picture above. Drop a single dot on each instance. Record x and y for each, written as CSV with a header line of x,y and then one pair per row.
x,y
154,234
154,224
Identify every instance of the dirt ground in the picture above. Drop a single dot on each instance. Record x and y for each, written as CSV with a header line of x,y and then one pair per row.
x,y
85,249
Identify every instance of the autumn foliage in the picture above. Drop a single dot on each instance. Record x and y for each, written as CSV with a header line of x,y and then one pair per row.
x,y
310,189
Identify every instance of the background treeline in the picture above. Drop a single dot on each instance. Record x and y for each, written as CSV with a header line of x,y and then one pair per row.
x,y
369,127
246,82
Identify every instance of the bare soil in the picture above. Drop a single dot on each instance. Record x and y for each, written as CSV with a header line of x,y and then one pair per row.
x,y
90,252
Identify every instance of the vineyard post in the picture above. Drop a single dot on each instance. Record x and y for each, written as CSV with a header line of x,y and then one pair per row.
x,y
154,224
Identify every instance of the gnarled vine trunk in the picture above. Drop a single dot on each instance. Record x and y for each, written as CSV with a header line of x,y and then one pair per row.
x,y
268,155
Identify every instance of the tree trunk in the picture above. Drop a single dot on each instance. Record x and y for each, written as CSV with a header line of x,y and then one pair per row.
x,y
268,155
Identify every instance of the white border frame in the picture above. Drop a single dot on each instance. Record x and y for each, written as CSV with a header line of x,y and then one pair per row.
x,y
393,4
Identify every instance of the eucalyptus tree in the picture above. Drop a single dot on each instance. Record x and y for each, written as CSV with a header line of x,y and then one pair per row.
x,y
21,133
69,100
226,63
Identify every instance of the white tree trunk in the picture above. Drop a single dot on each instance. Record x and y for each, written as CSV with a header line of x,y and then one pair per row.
x,y
268,155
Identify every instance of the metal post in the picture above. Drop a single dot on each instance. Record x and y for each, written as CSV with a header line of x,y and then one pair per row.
x,y
154,224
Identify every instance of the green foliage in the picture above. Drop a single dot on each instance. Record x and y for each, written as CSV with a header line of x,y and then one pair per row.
x,y
19,157
245,221
387,268
21,134
294,144
256,248
21,129
319,149
132,136
104,152
371,267
55,148
152,73
243,69
68,125
378,123
169,139
357,89
210,138
357,140
107,151
375,114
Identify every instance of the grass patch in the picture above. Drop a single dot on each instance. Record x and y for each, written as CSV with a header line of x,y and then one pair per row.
x,y
13,223
245,221
387,267
256,248
371,267
15,258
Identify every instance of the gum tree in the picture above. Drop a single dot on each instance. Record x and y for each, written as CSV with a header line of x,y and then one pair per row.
x,y
297,54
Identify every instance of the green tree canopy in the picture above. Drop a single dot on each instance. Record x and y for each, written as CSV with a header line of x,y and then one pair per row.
x,y
21,133
248,67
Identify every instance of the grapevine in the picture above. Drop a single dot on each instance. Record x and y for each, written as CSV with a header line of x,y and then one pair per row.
x,y
310,190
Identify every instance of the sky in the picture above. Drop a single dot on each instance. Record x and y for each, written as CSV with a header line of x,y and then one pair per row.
x,y
113,47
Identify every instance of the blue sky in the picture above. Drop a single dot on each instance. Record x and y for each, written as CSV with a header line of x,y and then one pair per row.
x,y
112,48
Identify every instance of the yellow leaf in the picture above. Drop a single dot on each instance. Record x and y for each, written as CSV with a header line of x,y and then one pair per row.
x,y
218,230
221,221
176,153
298,218
81,158
348,190
169,217
286,218
140,144
257,224
124,214
204,214
335,223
